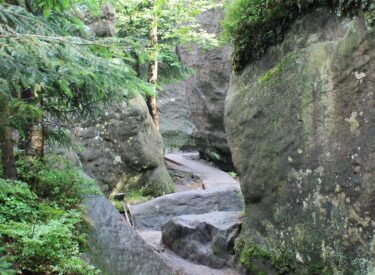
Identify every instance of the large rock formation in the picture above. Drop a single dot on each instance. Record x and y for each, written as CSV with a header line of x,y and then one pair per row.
x,y
205,92
301,127
124,151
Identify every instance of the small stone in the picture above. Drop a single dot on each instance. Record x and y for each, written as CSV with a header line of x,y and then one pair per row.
x,y
117,160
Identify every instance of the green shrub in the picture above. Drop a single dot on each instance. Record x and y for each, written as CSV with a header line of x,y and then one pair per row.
x,y
253,25
55,180
40,221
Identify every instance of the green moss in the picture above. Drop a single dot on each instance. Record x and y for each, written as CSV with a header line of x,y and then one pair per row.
x,y
135,197
277,70
255,259
247,253
118,206
253,26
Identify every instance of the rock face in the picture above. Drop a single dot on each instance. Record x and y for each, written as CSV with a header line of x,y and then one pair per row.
x,y
176,125
114,247
124,151
301,127
105,26
153,214
207,239
205,92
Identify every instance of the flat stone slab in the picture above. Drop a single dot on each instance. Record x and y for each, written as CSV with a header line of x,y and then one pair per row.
x,y
206,239
153,214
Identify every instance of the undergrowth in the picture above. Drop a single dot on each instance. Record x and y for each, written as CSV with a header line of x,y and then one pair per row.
x,y
40,219
254,25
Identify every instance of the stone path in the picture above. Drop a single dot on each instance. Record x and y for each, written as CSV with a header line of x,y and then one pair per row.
x,y
211,176
222,193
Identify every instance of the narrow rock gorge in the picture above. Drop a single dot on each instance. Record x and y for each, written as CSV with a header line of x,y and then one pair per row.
x,y
264,162
192,111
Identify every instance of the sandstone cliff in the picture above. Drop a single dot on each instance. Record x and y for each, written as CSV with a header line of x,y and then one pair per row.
x,y
301,126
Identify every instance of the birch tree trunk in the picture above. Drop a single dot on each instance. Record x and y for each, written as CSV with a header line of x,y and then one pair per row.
x,y
153,68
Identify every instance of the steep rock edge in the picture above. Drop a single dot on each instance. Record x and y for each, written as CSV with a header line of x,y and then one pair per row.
x,y
205,93
124,151
300,124
114,246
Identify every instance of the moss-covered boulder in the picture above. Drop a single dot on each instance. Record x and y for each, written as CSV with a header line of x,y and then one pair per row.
x,y
301,128
124,151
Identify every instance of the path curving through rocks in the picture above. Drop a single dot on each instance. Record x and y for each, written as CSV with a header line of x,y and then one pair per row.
x,y
198,227
212,177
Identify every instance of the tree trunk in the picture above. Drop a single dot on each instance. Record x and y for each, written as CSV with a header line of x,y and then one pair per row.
x,y
6,145
34,143
7,156
153,69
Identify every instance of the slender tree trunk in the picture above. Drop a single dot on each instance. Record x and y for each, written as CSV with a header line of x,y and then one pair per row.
x,y
34,143
7,156
6,144
153,69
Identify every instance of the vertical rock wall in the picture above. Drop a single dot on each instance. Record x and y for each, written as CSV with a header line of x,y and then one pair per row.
x,y
301,127
205,93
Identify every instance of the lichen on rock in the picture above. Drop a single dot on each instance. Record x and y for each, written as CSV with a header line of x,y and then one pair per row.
x,y
300,126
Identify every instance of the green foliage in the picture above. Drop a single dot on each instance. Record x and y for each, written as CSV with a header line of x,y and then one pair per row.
x,y
233,174
176,26
254,25
46,7
40,222
136,196
50,5
6,263
249,253
55,180
61,74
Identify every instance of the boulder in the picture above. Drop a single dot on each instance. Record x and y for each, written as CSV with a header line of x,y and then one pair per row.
x,y
206,239
104,26
114,246
301,127
153,214
124,151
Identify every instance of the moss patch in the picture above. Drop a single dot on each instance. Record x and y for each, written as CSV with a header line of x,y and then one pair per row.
x,y
253,26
